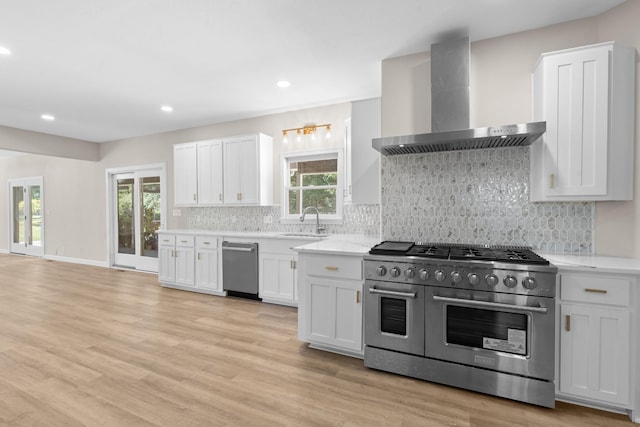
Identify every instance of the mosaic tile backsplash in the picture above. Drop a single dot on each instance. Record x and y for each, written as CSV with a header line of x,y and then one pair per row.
x,y
358,219
478,197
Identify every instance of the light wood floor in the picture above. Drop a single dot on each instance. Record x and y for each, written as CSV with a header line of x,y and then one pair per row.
x,y
92,346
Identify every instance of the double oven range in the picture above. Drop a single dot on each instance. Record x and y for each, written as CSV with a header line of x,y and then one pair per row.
x,y
476,317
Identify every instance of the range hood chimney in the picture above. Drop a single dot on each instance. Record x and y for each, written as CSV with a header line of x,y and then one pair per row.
x,y
450,112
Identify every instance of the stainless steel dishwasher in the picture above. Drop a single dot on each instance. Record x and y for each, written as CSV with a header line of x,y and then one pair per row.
x,y
240,269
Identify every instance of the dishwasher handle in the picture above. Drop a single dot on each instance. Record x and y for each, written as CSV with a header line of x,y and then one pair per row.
x,y
239,247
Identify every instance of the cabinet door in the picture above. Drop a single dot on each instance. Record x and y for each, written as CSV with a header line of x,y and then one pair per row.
x,y
185,267
576,106
594,352
185,177
277,275
241,170
210,173
207,269
166,264
334,312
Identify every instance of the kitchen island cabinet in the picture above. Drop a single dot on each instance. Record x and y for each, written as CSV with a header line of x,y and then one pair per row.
x,y
586,96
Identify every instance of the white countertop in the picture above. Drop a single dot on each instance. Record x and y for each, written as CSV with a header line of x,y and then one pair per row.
x,y
340,244
591,262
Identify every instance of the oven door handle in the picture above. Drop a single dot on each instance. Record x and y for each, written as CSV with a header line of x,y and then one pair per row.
x,y
488,304
373,290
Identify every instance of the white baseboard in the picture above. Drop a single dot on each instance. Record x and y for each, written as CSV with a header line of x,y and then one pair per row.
x,y
4,251
77,261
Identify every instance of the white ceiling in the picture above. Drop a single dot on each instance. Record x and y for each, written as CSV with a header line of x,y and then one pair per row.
x,y
103,68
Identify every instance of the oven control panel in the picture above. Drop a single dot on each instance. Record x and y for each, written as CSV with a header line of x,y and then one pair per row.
x,y
481,276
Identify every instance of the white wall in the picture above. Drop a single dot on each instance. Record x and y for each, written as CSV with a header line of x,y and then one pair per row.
x,y
75,190
501,94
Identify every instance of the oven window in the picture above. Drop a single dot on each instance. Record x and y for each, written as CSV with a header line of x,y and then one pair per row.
x,y
393,316
488,329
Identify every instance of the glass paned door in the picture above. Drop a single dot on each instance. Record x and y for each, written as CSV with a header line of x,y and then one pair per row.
x,y
27,219
137,218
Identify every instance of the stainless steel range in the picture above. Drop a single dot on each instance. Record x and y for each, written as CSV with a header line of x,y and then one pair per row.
x,y
476,317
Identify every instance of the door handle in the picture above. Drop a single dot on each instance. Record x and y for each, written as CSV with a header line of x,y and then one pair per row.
x,y
567,323
596,291
411,295
357,297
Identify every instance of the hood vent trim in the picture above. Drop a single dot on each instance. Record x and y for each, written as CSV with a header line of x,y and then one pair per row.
x,y
450,112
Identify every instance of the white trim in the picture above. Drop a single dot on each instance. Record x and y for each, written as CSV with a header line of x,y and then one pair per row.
x,y
4,251
109,173
302,156
77,261
30,250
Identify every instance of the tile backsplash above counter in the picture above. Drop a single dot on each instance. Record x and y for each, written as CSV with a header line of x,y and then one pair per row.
x,y
358,219
479,197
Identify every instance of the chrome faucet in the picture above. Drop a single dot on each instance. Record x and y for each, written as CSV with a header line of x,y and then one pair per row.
x,y
319,228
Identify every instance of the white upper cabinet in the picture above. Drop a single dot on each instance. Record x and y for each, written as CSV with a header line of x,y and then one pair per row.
x,y
230,171
210,172
185,177
248,170
587,97
361,160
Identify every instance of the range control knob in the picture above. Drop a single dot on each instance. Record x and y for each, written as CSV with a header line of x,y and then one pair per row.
x,y
491,279
409,273
529,283
456,277
510,282
439,275
423,274
395,271
381,271
473,278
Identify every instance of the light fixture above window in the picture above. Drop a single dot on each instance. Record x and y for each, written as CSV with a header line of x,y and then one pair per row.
x,y
167,108
4,51
47,117
283,83
310,130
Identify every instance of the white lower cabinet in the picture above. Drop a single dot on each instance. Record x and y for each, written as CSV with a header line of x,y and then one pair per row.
x,y
277,276
330,305
189,262
207,271
597,339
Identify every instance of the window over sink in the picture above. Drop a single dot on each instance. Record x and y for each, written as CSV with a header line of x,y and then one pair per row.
x,y
312,179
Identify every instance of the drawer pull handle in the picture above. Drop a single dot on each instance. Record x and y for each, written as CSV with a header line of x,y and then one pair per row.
x,y
596,291
206,243
330,268
567,323
184,241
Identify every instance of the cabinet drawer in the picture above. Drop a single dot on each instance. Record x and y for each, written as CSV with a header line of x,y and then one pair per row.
x,y
335,266
595,289
207,242
167,239
184,240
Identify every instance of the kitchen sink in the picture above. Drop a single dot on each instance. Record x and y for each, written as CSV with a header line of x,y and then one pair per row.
x,y
304,235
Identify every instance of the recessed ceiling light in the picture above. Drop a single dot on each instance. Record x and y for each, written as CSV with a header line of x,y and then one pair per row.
x,y
283,83
48,117
167,108
4,51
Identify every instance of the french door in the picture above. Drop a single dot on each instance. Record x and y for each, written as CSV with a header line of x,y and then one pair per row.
x,y
27,219
137,211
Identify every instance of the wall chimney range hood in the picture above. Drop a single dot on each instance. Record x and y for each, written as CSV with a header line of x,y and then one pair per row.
x,y
450,112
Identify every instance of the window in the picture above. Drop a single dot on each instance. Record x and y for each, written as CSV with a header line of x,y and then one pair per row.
x,y
313,180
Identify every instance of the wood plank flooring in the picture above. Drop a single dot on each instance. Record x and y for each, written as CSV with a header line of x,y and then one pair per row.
x,y
92,346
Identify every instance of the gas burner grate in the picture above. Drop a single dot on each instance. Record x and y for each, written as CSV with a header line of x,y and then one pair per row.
x,y
429,251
